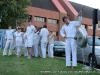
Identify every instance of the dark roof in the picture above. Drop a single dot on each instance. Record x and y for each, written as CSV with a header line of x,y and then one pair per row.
x,y
44,4
87,11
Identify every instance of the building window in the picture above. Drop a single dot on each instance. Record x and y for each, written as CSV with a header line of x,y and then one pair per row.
x,y
40,19
30,18
55,33
90,27
53,21
98,28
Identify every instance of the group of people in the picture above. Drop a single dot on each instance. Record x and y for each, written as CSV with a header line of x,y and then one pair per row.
x,y
36,41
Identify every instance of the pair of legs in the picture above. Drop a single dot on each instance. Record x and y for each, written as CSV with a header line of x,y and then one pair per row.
x,y
50,50
35,49
29,52
71,47
18,50
43,49
9,43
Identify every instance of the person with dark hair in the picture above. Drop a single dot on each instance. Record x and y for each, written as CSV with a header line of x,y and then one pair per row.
x,y
44,39
68,32
14,38
9,41
36,40
18,41
29,35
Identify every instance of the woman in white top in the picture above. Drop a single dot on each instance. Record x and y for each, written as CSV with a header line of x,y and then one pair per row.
x,y
51,44
19,41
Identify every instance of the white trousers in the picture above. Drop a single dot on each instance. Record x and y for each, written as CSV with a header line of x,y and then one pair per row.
x,y
43,49
50,50
35,48
9,44
71,47
19,49
25,50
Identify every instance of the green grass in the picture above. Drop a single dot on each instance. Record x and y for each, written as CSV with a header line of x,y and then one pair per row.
x,y
12,65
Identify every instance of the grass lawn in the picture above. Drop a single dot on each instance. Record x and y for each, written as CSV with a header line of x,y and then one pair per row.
x,y
12,65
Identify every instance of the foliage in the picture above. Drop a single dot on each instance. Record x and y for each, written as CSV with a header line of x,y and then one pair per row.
x,y
13,10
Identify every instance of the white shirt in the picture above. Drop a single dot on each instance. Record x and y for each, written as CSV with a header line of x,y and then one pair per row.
x,y
36,37
9,34
70,29
30,31
19,36
51,39
24,37
44,34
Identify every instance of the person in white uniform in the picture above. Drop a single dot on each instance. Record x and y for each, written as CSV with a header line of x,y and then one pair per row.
x,y
50,44
29,35
68,31
25,44
19,41
14,38
44,39
9,41
36,42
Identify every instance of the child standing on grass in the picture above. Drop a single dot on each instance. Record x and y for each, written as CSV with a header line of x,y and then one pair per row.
x,y
24,45
19,41
51,44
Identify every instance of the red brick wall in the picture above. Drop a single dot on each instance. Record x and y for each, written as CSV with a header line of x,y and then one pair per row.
x,y
44,13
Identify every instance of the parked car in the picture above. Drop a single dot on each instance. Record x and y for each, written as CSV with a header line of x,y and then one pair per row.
x,y
59,47
85,54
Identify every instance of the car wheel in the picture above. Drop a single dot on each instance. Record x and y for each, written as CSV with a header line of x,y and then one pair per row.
x,y
90,61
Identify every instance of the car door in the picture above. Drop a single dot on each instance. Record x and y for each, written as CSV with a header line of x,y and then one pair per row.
x,y
79,55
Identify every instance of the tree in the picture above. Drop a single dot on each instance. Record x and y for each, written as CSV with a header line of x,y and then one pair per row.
x,y
13,10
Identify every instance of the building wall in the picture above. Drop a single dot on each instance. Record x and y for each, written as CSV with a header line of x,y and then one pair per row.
x,y
48,14
58,16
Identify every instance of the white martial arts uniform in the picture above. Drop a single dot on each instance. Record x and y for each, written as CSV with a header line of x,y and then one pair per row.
x,y
44,39
29,35
50,46
71,45
15,44
18,40
25,45
36,39
9,42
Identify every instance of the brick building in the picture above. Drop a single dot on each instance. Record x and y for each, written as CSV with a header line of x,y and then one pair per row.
x,y
50,12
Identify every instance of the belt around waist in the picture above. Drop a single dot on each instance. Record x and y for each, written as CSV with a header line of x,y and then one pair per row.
x,y
9,39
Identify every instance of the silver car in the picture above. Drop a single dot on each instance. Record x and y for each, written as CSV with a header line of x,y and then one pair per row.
x,y
85,54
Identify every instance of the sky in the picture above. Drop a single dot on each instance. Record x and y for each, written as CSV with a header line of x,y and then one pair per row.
x,y
90,3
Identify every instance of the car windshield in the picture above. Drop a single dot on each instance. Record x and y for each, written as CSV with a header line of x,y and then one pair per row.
x,y
59,43
97,41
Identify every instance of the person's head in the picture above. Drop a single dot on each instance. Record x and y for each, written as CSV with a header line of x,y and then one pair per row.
x,y
45,26
19,29
51,32
9,27
29,23
65,19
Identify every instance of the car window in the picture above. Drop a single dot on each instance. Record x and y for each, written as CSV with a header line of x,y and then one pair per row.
x,y
97,41
59,43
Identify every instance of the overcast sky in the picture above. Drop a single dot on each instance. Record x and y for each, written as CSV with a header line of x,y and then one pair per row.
x,y
91,3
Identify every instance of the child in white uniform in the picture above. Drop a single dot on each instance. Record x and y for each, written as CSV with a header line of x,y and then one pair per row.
x,y
51,44
19,41
24,45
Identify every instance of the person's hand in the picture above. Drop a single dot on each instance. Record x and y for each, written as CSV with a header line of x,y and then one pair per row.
x,y
80,13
